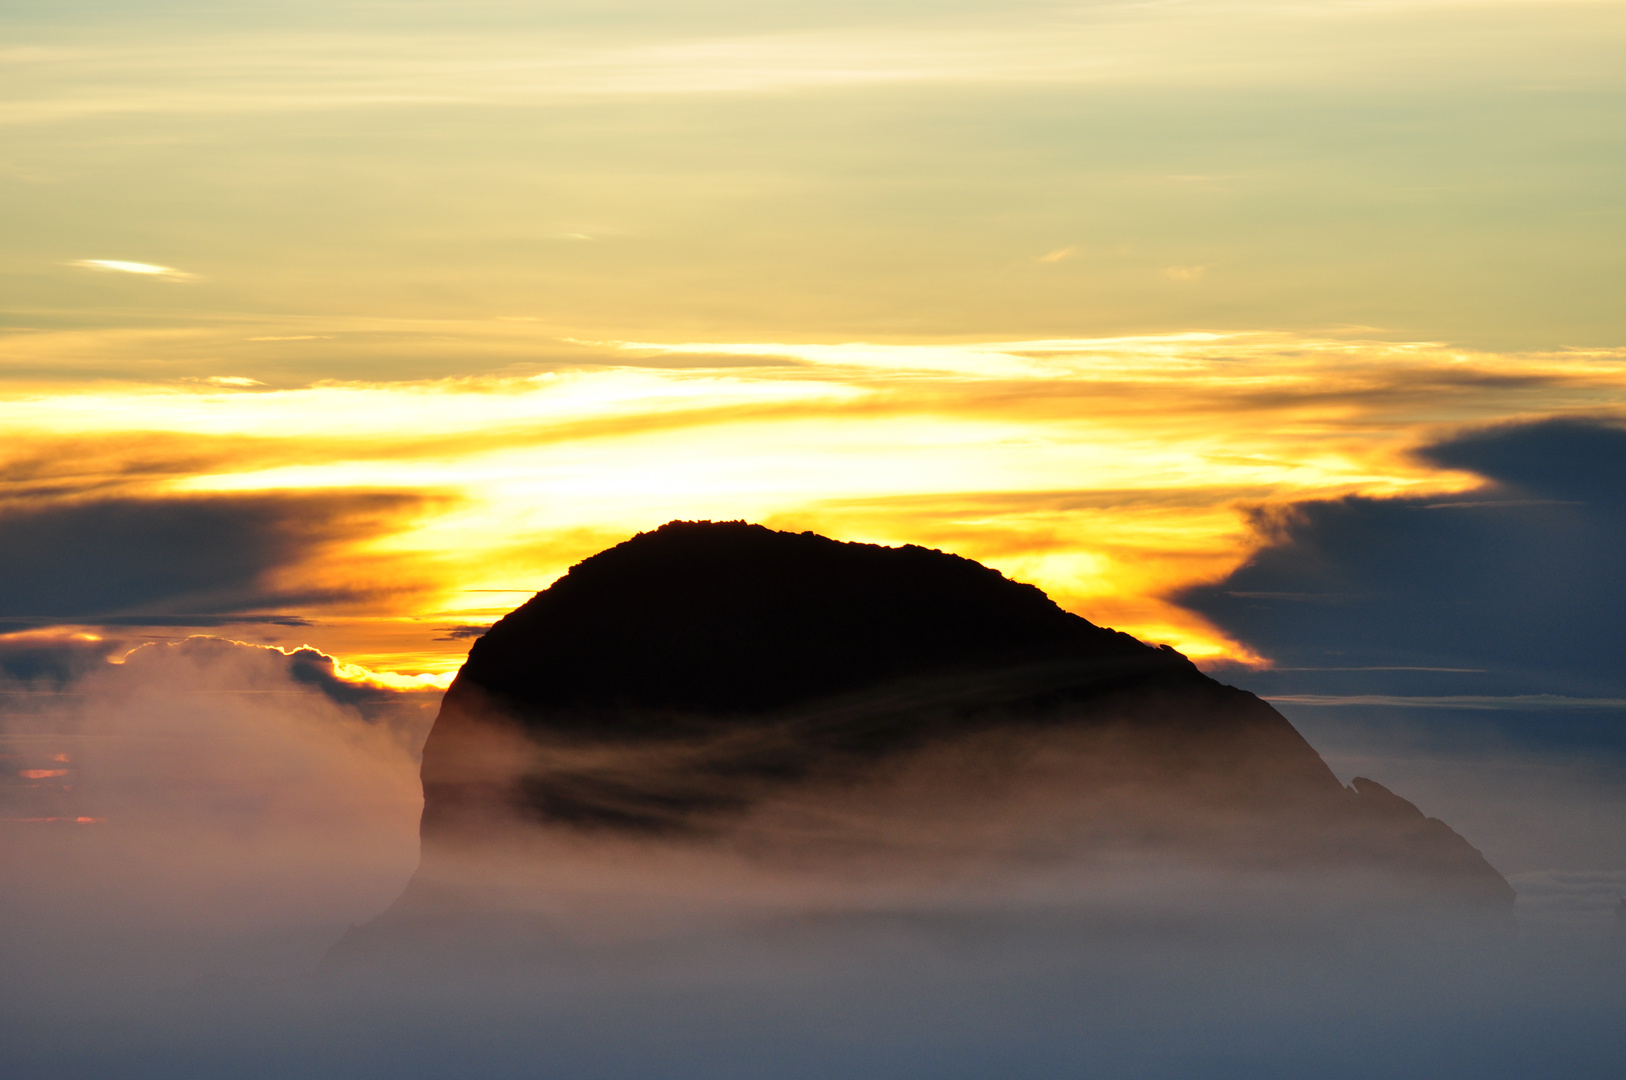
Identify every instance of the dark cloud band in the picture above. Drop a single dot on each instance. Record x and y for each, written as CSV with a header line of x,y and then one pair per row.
x,y
1520,583
198,561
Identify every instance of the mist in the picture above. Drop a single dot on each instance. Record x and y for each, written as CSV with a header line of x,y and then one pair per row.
x,y
221,821
195,809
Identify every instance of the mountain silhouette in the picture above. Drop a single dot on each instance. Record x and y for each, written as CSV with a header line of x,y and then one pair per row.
x,y
796,701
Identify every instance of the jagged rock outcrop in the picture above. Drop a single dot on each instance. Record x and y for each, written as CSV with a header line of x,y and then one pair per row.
x,y
797,701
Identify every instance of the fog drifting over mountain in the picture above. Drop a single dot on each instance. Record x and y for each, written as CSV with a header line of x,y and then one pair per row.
x,y
243,813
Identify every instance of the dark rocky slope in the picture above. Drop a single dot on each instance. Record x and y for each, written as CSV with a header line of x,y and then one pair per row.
x,y
798,702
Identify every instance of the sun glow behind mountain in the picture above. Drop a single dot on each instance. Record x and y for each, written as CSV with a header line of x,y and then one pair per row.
x,y
1288,333
408,307
1109,472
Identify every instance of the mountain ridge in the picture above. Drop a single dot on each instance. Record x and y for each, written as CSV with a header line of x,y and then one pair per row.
x,y
773,700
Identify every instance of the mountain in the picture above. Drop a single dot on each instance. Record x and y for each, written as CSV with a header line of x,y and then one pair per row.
x,y
717,694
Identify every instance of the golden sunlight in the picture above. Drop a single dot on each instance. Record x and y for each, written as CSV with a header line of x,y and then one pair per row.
x,y
1109,472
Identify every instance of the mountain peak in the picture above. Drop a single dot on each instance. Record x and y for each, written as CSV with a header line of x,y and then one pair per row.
x,y
731,617
724,696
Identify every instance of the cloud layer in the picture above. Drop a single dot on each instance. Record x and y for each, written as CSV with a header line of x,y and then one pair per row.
x,y
198,561
237,818
1518,583
197,804
1105,471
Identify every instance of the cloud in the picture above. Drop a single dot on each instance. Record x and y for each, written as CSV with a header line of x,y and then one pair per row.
x,y
459,633
1059,255
199,804
1103,470
238,819
51,658
1184,273
121,266
1501,702
197,561
215,68
1558,459
1521,578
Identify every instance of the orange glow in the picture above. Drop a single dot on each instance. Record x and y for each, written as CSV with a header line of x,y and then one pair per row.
x,y
1109,472
41,774
1078,290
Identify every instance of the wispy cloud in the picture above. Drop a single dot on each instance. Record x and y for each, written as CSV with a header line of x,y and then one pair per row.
x,y
1101,44
122,266
1107,471
1515,702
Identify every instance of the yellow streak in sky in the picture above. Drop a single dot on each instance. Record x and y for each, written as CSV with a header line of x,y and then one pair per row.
x,y
1110,473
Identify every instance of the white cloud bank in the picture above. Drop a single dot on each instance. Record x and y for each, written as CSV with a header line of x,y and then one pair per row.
x,y
198,807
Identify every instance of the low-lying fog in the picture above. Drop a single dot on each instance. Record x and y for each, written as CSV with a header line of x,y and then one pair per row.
x,y
187,834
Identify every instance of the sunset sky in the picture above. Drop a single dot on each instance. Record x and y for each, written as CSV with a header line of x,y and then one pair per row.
x,y
1290,333
346,325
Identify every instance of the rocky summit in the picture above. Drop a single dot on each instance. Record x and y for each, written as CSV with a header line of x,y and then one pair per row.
x,y
787,702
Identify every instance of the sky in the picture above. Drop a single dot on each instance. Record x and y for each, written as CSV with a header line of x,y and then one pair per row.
x,y
1287,333
374,318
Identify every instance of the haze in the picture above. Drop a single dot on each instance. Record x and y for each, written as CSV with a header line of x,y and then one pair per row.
x,y
1287,334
